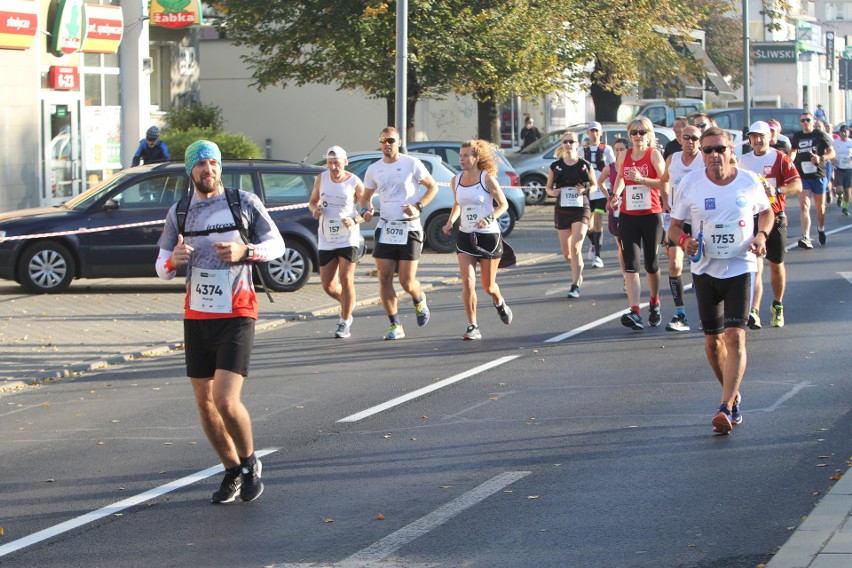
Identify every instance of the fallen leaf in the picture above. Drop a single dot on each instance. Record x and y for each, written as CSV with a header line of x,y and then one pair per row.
x,y
46,404
2,531
387,436
493,398
167,443
445,486
532,496
424,417
328,520
821,464
101,443
836,477
380,517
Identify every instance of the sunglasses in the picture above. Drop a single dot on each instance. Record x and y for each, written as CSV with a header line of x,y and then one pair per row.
x,y
720,149
701,125
691,138
638,132
569,141
387,140
804,120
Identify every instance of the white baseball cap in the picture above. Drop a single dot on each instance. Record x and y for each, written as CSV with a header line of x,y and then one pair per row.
x,y
759,127
595,125
335,152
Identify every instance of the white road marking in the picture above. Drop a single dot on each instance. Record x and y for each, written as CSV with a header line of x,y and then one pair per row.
x,y
787,396
376,552
598,322
425,390
72,524
846,275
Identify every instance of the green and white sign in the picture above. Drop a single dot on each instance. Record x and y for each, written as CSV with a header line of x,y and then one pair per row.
x,y
68,27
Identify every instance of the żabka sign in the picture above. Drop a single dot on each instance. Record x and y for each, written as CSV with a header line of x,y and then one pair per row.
x,y
175,13
104,29
68,29
18,23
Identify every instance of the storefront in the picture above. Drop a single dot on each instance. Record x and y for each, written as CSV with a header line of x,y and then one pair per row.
x,y
76,91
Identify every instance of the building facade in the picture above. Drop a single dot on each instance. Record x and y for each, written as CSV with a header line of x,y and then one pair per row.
x,y
82,82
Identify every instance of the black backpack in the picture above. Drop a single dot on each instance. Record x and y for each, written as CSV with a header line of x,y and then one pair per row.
x,y
235,205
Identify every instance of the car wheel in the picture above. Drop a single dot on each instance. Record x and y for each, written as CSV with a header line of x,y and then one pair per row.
x,y
290,272
534,190
46,267
507,222
434,233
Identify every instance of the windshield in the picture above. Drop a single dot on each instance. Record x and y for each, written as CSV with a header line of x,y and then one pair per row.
x,y
88,197
543,143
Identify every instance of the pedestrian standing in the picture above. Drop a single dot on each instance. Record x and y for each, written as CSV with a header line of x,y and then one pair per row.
x,y
570,180
781,179
640,223
529,133
399,235
333,201
677,166
479,202
811,150
218,234
151,149
722,202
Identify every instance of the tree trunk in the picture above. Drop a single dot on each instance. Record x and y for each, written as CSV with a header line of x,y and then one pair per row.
x,y
487,118
606,104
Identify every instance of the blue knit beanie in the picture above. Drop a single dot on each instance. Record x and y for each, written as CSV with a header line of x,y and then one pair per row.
x,y
201,150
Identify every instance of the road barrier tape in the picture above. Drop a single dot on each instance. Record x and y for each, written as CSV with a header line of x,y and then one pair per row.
x,y
86,230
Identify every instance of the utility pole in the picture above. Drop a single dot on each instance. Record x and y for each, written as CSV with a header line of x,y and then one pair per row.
x,y
401,70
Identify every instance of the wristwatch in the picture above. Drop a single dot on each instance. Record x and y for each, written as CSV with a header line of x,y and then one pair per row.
x,y
419,206
249,255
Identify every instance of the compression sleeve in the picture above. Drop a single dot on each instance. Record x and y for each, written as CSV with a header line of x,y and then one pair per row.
x,y
164,267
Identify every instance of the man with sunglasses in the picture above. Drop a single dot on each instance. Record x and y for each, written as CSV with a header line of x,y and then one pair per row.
x,y
722,201
399,234
702,121
811,150
677,166
782,179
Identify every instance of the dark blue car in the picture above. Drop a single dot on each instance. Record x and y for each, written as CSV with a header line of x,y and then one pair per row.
x,y
66,244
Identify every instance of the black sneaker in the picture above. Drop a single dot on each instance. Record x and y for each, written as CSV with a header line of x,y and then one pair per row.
x,y
632,320
252,483
229,488
821,237
654,315
574,292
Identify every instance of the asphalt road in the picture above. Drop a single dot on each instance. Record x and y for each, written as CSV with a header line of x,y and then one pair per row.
x,y
533,447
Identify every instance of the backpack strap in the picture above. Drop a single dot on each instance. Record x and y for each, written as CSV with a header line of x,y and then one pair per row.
x,y
234,204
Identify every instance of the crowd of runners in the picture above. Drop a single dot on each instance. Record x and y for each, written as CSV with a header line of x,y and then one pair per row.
x,y
696,198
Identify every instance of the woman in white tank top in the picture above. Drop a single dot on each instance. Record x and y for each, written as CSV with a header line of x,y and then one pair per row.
x,y
333,200
479,202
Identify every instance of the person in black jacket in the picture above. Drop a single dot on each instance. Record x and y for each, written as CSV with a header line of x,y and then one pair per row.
x,y
151,150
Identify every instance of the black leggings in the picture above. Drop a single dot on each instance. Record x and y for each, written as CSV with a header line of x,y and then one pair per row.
x,y
646,230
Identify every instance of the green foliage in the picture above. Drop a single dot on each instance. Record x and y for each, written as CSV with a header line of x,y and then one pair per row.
x,y
197,115
233,146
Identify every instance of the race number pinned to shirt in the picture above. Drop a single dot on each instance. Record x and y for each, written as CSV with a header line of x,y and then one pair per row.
x,y
335,231
471,214
570,197
211,291
394,233
724,240
638,197
808,167
844,160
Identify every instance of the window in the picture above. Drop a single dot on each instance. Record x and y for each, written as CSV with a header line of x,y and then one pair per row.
x,y
286,188
840,10
158,192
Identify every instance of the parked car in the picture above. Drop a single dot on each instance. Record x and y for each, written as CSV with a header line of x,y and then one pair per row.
x,y
658,110
48,263
449,152
732,118
435,214
533,162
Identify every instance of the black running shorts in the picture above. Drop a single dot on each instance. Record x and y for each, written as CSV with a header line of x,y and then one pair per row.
x,y
347,253
722,302
409,251
213,344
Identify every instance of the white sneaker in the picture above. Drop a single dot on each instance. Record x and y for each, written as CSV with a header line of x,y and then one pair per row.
x,y
343,329
598,262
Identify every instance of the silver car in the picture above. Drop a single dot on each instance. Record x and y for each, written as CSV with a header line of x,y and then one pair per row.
x,y
434,215
533,162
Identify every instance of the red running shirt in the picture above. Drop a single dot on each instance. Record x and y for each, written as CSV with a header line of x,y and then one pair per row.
x,y
639,199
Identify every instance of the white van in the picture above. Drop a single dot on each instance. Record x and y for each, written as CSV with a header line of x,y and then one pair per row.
x,y
659,110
